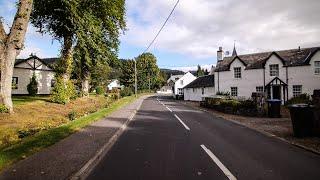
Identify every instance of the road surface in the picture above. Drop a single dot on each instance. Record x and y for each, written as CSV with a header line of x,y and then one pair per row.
x,y
168,140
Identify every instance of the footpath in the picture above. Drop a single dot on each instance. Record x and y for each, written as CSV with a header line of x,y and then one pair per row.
x,y
74,156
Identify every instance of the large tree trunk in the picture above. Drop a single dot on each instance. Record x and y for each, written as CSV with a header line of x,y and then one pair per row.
x,y
66,60
10,47
85,85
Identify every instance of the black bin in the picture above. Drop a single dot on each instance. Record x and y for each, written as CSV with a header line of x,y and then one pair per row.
x,y
274,106
302,118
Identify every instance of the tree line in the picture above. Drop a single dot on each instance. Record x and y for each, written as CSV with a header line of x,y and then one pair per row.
x,y
88,31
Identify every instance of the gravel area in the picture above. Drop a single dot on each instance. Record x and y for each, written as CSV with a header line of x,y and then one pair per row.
x,y
279,127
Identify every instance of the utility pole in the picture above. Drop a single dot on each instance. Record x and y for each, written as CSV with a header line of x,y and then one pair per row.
x,y
135,78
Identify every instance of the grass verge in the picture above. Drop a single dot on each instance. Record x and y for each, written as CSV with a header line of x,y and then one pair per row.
x,y
43,139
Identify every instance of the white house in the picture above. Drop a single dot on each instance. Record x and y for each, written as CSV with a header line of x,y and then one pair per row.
x,y
279,74
24,69
114,84
181,83
201,87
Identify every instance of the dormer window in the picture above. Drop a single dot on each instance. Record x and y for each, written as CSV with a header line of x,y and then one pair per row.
x,y
274,69
237,72
317,67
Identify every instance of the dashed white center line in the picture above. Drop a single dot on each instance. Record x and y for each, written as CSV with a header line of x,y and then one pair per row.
x,y
185,126
219,163
168,109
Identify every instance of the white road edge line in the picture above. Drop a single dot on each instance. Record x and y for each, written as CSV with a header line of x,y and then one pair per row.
x,y
185,126
168,108
218,162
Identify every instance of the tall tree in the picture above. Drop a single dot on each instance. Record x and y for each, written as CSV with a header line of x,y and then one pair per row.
x,y
127,73
148,71
200,71
10,47
91,24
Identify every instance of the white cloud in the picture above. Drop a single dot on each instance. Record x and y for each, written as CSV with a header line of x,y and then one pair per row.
x,y
199,27
194,68
27,51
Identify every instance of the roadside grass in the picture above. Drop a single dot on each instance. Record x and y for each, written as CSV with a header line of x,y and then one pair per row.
x,y
43,139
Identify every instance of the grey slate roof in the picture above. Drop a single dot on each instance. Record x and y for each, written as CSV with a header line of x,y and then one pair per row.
x,y
203,81
50,62
292,57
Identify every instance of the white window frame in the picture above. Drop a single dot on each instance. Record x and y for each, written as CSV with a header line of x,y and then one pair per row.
x,y
237,72
274,70
16,81
259,89
180,91
234,91
317,67
296,90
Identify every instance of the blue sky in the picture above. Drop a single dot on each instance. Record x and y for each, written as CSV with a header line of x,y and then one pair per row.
x,y
198,27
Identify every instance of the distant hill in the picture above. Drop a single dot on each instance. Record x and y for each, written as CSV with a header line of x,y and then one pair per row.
x,y
168,72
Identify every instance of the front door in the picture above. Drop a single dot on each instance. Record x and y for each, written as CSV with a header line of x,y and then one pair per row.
x,y
276,92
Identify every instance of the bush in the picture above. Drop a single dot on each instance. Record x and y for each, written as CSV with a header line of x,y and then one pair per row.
x,y
114,96
248,104
100,90
32,87
126,92
230,105
22,133
8,136
301,99
61,93
73,115
3,109
221,93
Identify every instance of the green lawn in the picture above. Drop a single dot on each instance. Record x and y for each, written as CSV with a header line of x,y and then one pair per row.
x,y
43,139
19,100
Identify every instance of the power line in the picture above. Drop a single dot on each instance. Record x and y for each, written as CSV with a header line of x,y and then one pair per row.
x,y
154,39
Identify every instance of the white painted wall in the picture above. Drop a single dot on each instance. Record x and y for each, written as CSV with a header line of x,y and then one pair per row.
x,y
304,75
44,79
247,84
114,84
183,81
195,94
298,75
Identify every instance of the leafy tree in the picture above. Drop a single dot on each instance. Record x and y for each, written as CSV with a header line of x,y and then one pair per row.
x,y
148,72
10,46
200,71
92,25
32,87
127,73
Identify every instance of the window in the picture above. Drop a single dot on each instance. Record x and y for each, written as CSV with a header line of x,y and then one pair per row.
x,y
317,67
181,82
53,82
274,69
14,82
296,90
180,91
237,72
259,89
234,91
202,91
193,89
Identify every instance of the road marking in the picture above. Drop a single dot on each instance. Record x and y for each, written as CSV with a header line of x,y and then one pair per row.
x,y
185,126
218,162
168,108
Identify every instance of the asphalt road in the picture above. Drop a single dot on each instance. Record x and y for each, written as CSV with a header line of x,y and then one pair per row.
x,y
167,140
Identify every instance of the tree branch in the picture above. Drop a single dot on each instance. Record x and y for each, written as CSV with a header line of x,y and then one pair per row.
x,y
3,33
20,24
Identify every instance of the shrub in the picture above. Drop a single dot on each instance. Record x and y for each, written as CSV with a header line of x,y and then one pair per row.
x,y
232,105
221,93
100,90
3,109
72,115
248,104
114,96
63,93
301,99
126,92
32,87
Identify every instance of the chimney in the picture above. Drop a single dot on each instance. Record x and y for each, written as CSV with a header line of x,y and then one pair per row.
x,y
220,54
